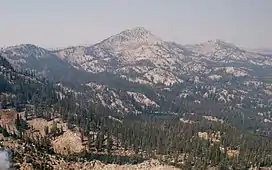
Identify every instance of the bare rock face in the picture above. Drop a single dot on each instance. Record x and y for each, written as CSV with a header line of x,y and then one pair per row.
x,y
25,166
7,120
68,142
97,165
147,165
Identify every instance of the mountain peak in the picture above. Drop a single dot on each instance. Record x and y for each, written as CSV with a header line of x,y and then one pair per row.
x,y
24,47
221,43
137,31
215,41
131,38
24,50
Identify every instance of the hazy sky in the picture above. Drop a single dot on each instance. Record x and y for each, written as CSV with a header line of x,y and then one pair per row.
x,y
58,23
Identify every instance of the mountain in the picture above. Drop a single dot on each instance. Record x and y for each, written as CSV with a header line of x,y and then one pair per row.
x,y
133,97
24,56
219,50
132,52
42,61
212,78
138,56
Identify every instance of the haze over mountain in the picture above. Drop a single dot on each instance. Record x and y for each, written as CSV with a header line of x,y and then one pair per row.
x,y
158,74
69,23
208,91
136,84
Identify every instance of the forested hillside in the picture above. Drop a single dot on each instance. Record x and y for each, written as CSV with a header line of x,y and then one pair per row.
x,y
107,135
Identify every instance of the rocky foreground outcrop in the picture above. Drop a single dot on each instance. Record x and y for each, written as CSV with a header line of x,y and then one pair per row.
x,y
97,165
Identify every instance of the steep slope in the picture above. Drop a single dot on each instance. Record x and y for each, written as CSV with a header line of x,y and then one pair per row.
x,y
24,56
42,62
136,55
220,51
236,61
19,54
213,78
21,88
